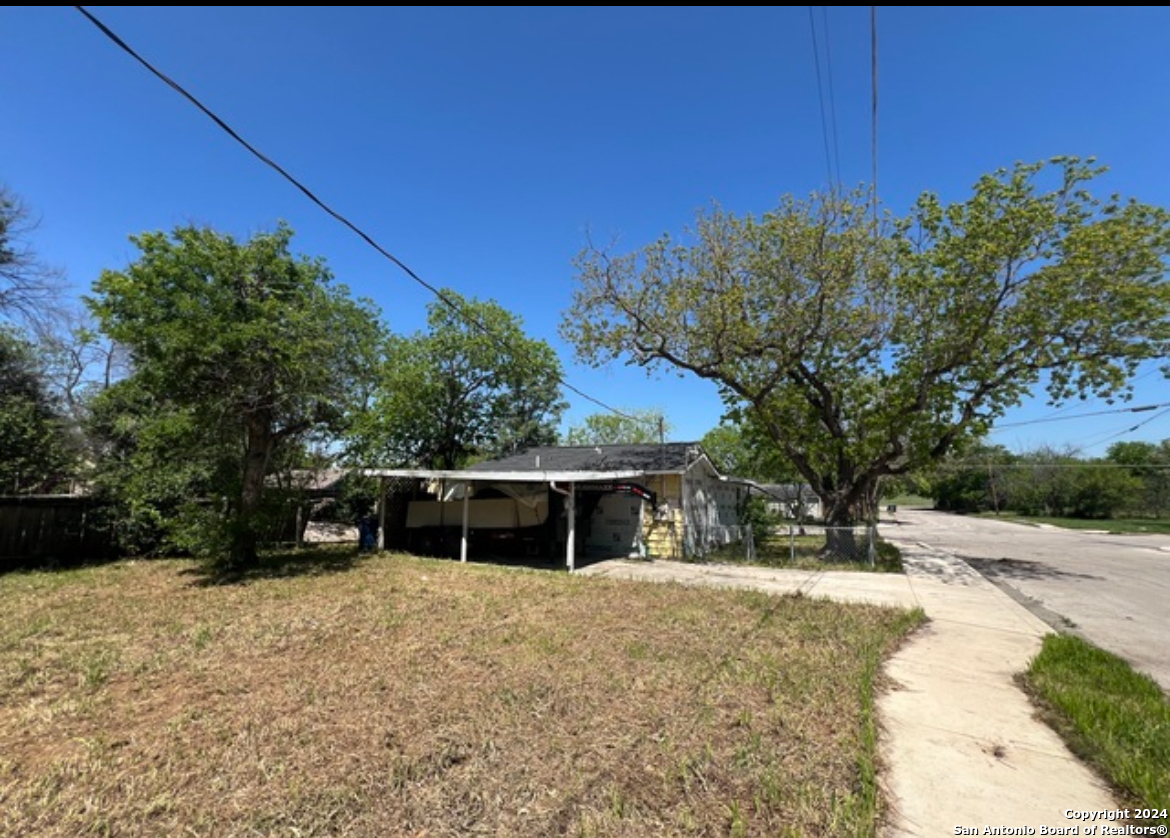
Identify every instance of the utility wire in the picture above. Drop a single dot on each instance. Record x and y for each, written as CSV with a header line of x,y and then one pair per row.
x,y
1140,409
1072,405
984,465
1127,430
873,42
812,22
832,95
268,161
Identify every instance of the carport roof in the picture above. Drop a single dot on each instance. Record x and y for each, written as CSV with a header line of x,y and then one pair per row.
x,y
649,458
569,464
547,476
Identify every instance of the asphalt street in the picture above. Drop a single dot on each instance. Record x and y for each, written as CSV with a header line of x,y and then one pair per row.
x,y
1114,590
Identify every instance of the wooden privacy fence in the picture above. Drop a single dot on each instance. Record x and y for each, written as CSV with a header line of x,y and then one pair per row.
x,y
51,529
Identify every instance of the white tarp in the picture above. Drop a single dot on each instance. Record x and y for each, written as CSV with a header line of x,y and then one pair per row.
x,y
490,513
616,526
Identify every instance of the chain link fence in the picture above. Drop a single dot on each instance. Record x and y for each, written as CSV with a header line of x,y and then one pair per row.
x,y
788,544
857,544
715,543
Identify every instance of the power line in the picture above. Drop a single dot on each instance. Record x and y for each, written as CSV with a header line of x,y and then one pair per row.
x,y
1141,409
982,466
1072,405
268,161
832,95
812,22
1128,430
873,42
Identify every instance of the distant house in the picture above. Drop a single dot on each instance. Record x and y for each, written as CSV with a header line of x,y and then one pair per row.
x,y
313,494
325,482
796,501
654,501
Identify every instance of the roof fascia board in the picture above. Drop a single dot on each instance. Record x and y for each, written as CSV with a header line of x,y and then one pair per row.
x,y
504,476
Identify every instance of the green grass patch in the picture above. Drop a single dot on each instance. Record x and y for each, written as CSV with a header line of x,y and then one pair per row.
x,y
1115,718
1111,525
807,552
337,694
907,501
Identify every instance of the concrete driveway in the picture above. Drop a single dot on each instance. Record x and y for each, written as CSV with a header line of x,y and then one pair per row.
x,y
1114,590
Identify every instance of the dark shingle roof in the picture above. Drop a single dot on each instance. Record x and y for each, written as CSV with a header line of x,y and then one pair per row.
x,y
320,481
653,457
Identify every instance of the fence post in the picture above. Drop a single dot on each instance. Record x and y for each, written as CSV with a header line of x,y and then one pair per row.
x,y
872,529
791,544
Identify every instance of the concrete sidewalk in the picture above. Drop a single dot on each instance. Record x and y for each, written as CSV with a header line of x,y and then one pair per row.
x,y
960,744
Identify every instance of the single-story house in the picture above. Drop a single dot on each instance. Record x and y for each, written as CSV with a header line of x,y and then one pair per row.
x,y
796,501
651,500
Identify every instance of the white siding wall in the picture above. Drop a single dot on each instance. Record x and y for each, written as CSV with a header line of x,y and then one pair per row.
x,y
712,510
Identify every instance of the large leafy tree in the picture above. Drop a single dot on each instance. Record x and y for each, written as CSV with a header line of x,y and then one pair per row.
x,y
867,352
472,385
1054,482
629,427
38,443
743,449
161,471
36,450
243,348
977,479
1149,463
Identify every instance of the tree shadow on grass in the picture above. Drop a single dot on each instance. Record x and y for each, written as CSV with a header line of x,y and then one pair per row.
x,y
51,564
284,563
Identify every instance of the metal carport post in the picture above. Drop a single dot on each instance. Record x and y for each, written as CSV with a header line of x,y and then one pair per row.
x,y
382,481
463,539
571,533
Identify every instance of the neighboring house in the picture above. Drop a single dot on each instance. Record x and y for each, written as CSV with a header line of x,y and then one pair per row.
x,y
795,501
325,482
654,500
317,490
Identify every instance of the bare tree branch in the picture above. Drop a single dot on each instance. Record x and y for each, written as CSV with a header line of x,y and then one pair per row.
x,y
31,293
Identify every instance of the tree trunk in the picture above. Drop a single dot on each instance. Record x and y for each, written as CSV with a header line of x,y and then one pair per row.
x,y
841,545
244,535
845,507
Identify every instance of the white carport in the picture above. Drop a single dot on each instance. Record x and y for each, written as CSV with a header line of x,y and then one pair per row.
x,y
563,482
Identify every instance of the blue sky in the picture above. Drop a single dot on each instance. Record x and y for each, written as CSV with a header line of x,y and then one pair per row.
x,y
481,145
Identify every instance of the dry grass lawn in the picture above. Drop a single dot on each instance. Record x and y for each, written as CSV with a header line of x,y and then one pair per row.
x,y
391,696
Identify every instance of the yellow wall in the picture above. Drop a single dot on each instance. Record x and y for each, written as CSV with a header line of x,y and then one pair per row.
x,y
663,534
